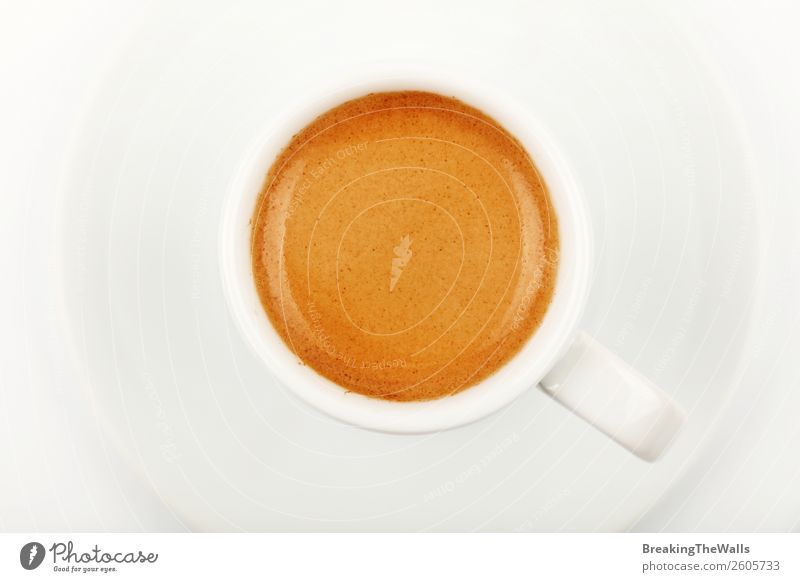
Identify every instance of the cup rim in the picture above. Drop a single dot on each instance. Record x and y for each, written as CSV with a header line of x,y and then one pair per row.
x,y
504,385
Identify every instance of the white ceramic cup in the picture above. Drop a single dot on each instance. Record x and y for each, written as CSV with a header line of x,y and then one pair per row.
x,y
566,363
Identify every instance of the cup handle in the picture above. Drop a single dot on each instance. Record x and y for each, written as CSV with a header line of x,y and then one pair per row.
x,y
602,389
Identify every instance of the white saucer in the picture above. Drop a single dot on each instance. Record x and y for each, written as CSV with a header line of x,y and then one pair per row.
x,y
666,177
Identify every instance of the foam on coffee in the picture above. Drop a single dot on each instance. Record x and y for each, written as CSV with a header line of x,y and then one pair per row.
x,y
404,245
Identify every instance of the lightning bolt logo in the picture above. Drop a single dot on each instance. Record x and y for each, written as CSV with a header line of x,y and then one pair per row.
x,y
31,555
402,257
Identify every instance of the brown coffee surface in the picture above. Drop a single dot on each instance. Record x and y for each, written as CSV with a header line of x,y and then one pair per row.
x,y
404,245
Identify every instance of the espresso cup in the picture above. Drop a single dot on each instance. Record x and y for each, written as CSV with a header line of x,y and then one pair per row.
x,y
564,362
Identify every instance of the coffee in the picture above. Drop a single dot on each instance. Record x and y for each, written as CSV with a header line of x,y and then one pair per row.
x,y
404,245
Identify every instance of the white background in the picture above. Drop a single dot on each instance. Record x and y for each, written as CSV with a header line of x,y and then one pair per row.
x,y
58,473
